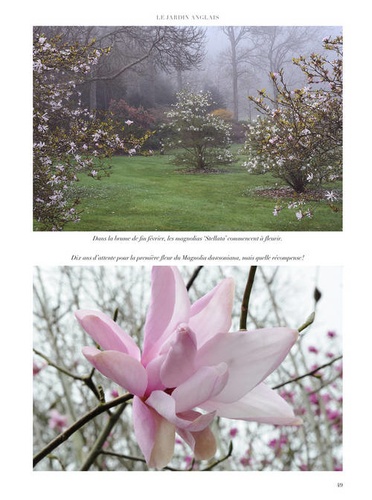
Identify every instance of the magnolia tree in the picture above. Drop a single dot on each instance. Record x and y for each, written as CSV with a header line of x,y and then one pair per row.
x,y
298,136
68,138
203,137
219,371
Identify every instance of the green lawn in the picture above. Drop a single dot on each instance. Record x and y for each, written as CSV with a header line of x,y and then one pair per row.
x,y
150,194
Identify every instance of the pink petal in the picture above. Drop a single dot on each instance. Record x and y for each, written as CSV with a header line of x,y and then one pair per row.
x,y
197,421
262,404
179,361
106,332
145,425
205,444
153,374
155,436
169,306
212,313
250,356
163,449
119,367
165,405
204,384
202,443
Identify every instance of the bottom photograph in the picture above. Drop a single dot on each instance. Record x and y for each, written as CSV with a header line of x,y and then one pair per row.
x,y
208,368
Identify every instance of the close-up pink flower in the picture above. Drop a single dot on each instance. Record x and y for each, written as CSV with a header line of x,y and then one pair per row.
x,y
191,368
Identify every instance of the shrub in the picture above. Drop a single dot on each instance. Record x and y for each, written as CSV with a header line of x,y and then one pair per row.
x,y
203,137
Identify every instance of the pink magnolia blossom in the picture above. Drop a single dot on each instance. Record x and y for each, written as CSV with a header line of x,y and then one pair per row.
x,y
191,368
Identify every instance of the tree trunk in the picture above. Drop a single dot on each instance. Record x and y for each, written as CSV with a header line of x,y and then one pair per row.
x,y
234,65
93,96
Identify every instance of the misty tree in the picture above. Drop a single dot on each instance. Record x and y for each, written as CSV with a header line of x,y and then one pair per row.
x,y
242,45
203,137
67,138
152,48
298,137
277,45
136,50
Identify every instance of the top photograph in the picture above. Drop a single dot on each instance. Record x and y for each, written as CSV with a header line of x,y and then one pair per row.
x,y
187,128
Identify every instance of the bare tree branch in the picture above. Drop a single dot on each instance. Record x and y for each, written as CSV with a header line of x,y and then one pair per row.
x,y
308,374
61,438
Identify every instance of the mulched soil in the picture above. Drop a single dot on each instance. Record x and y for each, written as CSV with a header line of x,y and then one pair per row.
x,y
287,192
195,171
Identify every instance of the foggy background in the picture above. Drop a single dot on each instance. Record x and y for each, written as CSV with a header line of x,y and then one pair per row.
x,y
231,62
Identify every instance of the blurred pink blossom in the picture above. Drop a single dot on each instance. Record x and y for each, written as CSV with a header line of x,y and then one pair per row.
x,y
245,461
313,398
326,398
287,395
313,349
57,421
191,368
278,443
233,432
37,368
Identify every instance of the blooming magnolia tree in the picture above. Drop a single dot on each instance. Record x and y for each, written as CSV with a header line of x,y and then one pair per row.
x,y
198,394
298,136
68,138
203,137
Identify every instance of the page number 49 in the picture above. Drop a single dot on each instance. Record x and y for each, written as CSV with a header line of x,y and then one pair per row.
x,y
340,485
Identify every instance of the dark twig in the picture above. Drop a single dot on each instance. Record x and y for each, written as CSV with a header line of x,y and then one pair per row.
x,y
138,459
54,365
122,456
245,301
95,451
308,374
87,379
193,277
228,455
61,438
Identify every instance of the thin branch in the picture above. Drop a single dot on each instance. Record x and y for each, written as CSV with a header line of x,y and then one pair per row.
x,y
138,459
228,455
193,277
128,66
121,455
308,374
54,365
95,451
245,301
86,379
61,438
